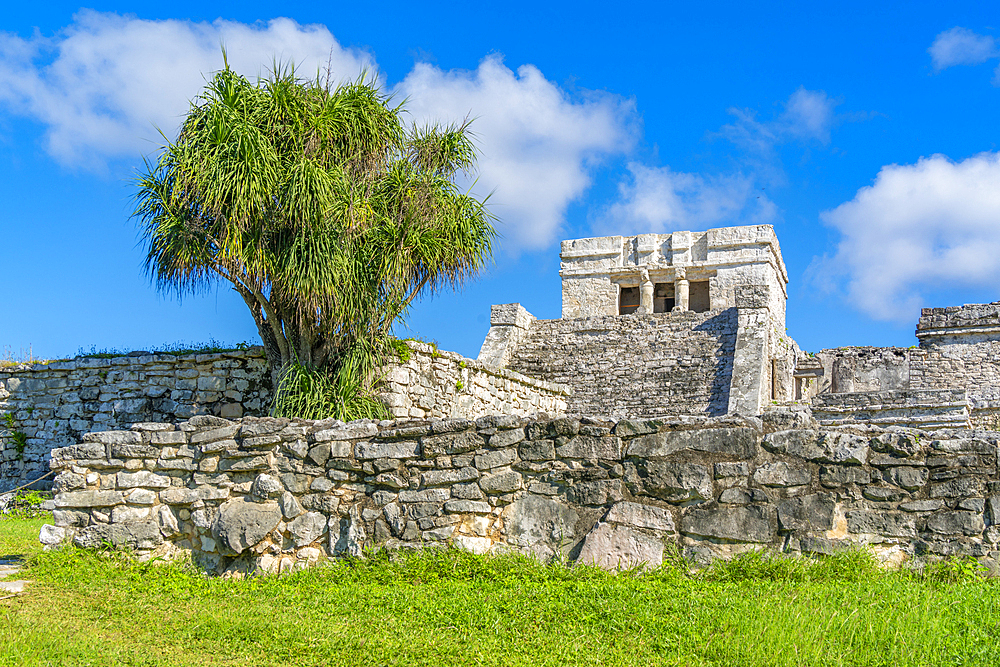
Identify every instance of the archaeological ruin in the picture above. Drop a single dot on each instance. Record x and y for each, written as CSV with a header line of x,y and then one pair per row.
x,y
666,408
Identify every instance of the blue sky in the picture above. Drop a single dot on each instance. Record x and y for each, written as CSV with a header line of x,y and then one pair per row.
x,y
867,135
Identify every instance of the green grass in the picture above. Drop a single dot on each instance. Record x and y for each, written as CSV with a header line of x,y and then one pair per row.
x,y
449,608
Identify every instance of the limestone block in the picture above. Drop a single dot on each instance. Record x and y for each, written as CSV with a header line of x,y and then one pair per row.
x,y
399,449
142,535
51,536
813,512
671,481
735,524
442,477
241,524
501,482
89,499
534,520
736,442
495,459
781,473
813,445
589,447
641,516
956,523
620,548
266,486
307,528
143,478
888,524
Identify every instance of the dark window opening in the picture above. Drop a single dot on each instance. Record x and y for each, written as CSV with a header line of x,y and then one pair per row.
x,y
628,300
698,298
663,297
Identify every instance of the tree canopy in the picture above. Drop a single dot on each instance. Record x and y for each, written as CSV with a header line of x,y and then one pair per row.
x,y
325,212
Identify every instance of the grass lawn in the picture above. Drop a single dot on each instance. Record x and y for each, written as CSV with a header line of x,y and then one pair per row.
x,y
449,608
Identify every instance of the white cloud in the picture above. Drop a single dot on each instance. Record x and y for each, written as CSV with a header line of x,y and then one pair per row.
x,y
538,145
102,86
961,46
808,115
103,83
661,200
930,225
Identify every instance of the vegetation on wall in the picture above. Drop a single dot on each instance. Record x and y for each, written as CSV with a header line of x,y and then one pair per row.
x,y
325,213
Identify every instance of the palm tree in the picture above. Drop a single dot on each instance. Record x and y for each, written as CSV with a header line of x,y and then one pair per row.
x,y
325,213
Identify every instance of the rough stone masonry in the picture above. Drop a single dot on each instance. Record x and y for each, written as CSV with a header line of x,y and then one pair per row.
x,y
274,495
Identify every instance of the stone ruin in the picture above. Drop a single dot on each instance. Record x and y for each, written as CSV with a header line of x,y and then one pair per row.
x,y
666,408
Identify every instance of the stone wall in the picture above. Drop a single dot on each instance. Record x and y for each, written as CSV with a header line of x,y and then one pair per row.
x,y
54,404
650,365
434,383
913,408
275,495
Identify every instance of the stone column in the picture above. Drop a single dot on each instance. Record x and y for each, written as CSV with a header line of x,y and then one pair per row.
x,y
681,291
645,295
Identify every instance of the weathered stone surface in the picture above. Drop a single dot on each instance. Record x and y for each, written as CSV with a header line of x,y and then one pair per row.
x,y
144,478
734,524
347,535
537,450
425,496
467,507
224,433
833,476
114,437
641,516
90,499
451,443
739,495
671,481
961,487
506,438
956,523
390,449
290,507
495,459
351,431
307,528
922,505
534,520
907,477
241,524
813,512
51,536
599,492
735,442
620,548
887,524
442,477
144,535
589,447
266,486
815,445
167,521
781,473
727,470
501,482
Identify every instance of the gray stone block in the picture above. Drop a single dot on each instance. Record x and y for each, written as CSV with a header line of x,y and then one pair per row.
x,y
620,548
781,473
735,442
734,524
241,524
812,512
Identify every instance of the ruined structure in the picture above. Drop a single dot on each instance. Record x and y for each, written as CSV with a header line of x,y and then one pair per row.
x,y
660,324
666,406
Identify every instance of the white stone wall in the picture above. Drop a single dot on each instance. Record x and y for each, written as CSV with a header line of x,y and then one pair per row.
x,y
53,405
435,383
